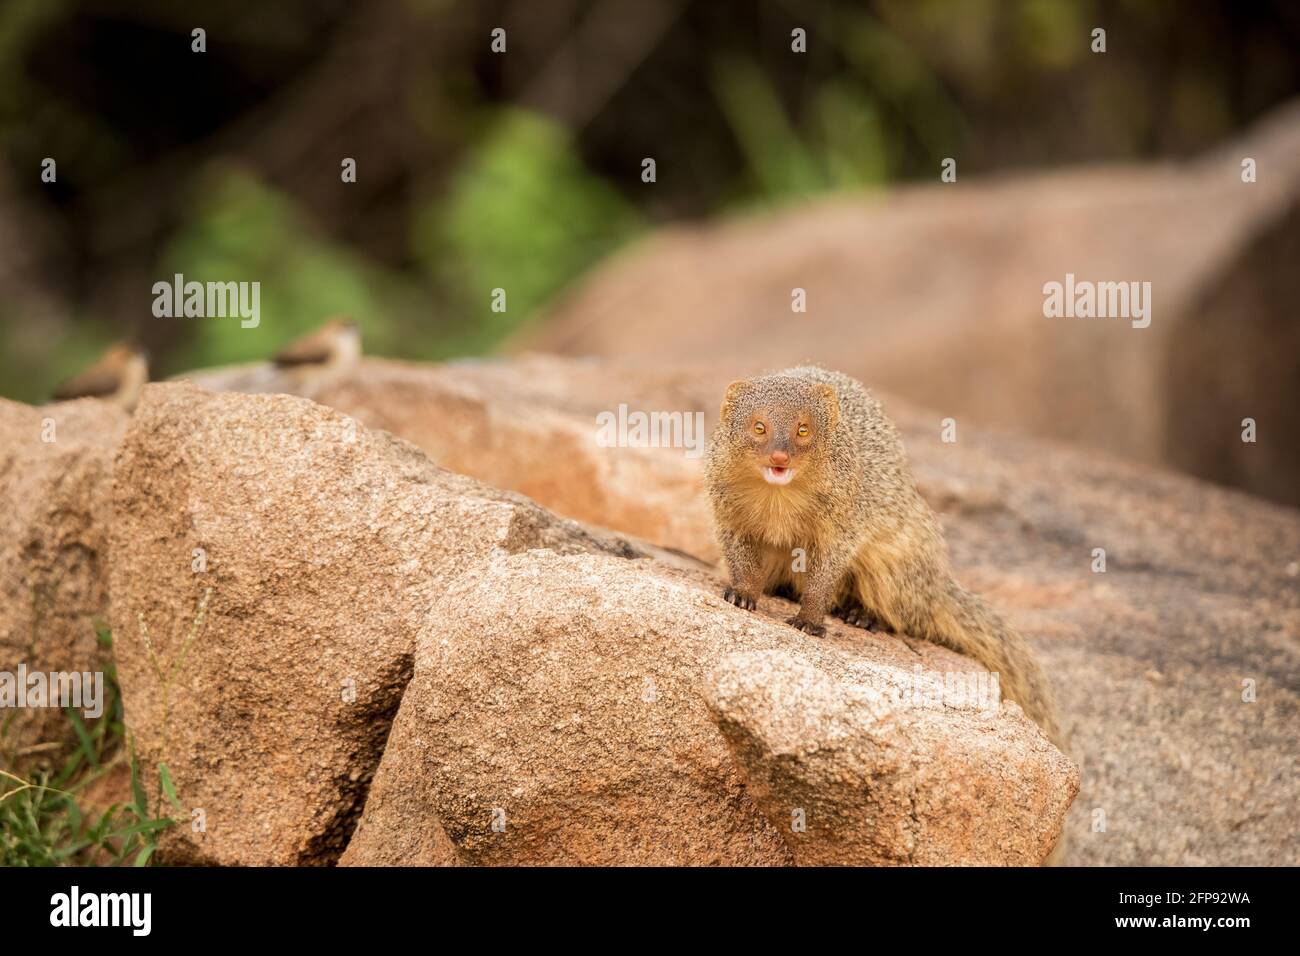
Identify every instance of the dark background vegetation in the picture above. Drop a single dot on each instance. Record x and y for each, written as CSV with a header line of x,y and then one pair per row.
x,y
521,170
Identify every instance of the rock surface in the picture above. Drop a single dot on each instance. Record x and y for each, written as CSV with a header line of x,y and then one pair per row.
x,y
56,468
528,426
585,729
936,293
1201,592
874,782
1176,669
528,432
279,567
273,563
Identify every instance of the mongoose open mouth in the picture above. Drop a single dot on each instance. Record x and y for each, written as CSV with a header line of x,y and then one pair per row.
x,y
777,476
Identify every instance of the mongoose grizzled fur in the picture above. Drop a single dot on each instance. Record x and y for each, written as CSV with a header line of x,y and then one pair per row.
x,y
806,459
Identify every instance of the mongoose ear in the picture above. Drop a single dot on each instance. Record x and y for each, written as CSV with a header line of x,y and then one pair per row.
x,y
734,391
830,401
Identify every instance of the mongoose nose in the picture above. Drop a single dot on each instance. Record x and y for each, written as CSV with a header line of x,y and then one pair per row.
x,y
780,459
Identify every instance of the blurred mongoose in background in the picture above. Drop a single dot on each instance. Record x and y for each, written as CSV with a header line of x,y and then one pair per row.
x,y
806,459
116,376
335,344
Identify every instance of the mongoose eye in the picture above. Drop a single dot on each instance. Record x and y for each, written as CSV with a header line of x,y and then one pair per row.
x,y
759,428
803,431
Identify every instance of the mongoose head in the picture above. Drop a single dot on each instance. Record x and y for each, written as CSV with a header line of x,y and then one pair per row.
x,y
779,426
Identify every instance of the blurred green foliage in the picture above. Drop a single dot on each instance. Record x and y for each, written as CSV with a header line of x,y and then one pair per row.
x,y
522,214
240,227
521,171
840,147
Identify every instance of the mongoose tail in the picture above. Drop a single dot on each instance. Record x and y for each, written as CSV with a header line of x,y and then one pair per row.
x,y
966,624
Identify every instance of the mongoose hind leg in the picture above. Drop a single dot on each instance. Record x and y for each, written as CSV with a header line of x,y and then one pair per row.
x,y
740,600
808,627
851,611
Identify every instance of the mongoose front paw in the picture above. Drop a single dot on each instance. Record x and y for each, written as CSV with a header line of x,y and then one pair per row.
x,y
808,627
740,600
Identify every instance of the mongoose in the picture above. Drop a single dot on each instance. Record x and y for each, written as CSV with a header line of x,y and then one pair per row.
x,y
116,376
806,459
335,344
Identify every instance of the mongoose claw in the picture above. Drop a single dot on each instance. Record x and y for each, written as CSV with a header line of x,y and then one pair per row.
x,y
740,600
858,616
808,627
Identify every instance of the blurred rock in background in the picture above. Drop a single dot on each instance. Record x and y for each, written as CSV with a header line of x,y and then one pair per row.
x,y
936,293
522,170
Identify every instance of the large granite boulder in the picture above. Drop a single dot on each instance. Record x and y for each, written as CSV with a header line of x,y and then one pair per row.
x,y
56,473
274,561
634,717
